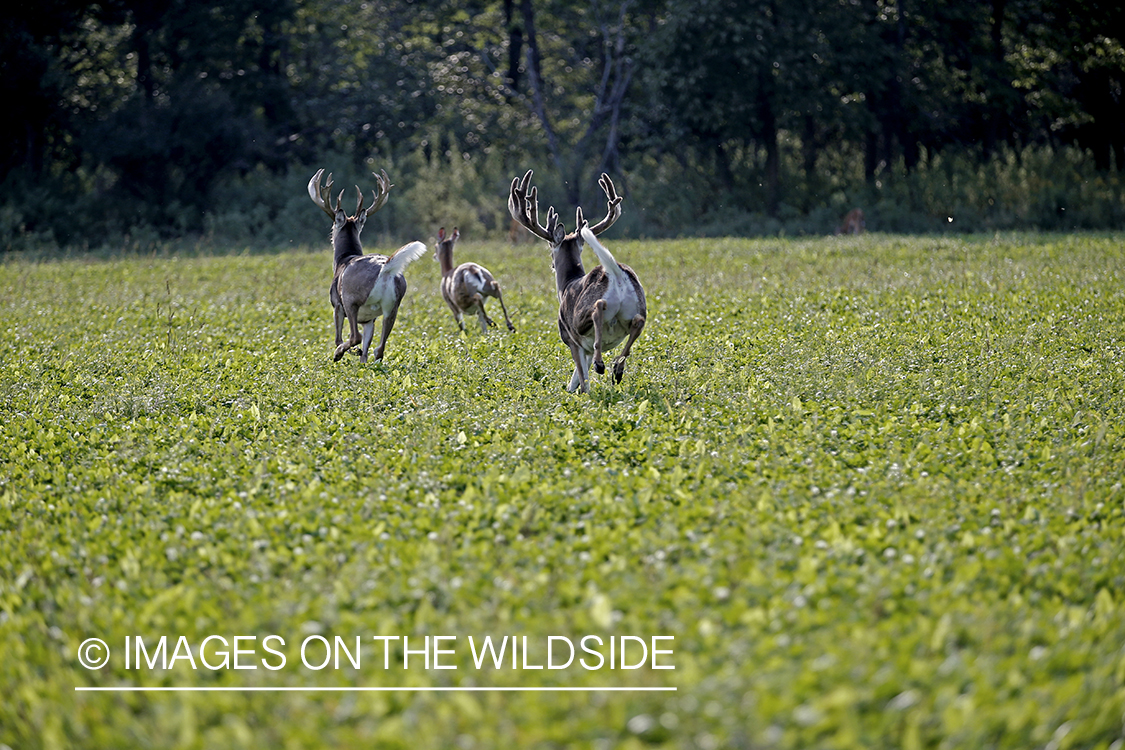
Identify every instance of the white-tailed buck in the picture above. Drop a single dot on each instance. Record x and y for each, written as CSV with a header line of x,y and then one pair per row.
x,y
363,286
465,287
853,223
597,310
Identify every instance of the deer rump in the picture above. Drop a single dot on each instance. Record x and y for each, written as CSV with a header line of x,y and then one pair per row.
x,y
465,283
361,283
624,300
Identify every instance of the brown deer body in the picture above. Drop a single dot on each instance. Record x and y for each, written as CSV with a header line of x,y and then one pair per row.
x,y
597,310
364,287
465,287
853,223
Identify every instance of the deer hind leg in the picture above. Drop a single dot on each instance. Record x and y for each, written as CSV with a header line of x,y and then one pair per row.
x,y
353,338
635,328
599,321
495,292
485,321
388,324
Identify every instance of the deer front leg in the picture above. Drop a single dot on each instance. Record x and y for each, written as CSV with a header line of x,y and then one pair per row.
x,y
581,369
485,321
338,316
388,324
599,319
635,328
496,293
353,339
368,334
457,314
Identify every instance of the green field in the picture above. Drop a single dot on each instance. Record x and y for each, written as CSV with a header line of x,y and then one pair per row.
x,y
873,488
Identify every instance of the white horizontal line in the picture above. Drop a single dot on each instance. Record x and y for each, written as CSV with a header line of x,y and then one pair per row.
x,y
265,689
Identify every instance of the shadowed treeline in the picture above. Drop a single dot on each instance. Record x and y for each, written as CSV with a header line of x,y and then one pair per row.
x,y
132,122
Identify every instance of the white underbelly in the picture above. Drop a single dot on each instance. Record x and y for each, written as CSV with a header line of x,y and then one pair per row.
x,y
614,331
612,335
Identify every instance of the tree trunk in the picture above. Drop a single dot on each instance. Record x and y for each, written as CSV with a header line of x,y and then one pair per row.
x,y
767,102
809,153
773,171
515,45
539,100
871,154
996,129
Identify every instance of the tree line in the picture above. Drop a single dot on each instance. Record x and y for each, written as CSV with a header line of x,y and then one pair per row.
x,y
178,117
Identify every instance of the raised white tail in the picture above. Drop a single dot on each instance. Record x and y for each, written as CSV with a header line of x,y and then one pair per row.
x,y
609,263
406,255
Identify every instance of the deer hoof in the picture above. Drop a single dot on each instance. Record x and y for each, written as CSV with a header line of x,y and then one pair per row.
x,y
618,371
599,367
511,328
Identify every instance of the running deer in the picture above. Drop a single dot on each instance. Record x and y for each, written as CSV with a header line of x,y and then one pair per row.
x,y
853,223
597,310
465,287
363,286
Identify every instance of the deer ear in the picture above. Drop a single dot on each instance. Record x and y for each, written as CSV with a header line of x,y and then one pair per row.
x,y
441,235
456,234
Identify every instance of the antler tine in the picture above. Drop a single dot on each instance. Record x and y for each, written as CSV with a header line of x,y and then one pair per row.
x,y
613,205
553,220
314,184
531,207
321,194
517,200
359,206
328,196
523,204
553,223
382,191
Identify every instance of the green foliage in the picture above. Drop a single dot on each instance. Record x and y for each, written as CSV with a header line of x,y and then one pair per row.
x,y
169,121
872,485
1037,187
1044,188
446,190
14,235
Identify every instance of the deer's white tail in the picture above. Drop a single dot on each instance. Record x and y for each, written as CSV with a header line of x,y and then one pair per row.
x,y
406,255
609,263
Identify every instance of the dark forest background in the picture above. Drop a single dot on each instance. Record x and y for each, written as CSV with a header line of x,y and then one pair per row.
x,y
132,122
